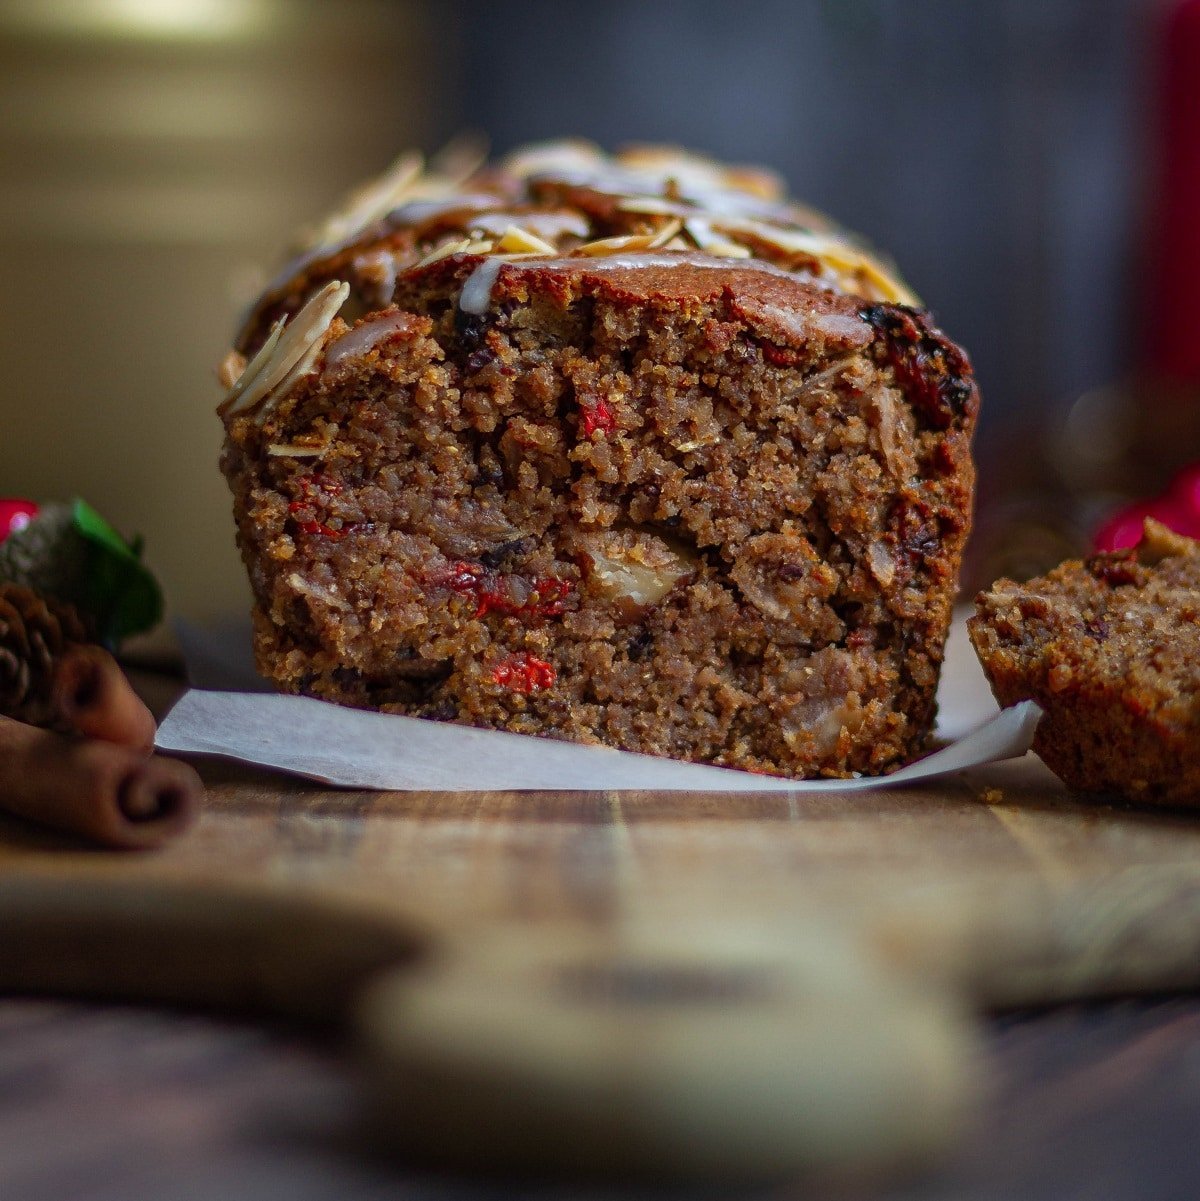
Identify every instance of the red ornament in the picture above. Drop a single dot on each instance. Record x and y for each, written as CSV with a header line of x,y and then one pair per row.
x,y
15,514
1178,508
524,672
1170,348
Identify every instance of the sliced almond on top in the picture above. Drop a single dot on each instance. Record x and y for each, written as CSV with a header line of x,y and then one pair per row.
x,y
459,246
459,158
566,154
657,205
254,368
849,266
890,287
230,369
665,234
290,352
603,246
630,242
369,202
711,243
516,240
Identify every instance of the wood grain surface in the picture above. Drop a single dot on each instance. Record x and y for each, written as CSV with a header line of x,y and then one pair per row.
x,y
998,859
996,882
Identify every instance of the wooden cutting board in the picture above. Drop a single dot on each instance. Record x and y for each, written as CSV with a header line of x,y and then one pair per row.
x,y
993,888
996,832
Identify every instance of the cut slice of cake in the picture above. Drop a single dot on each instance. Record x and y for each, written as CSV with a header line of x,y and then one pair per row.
x,y
1109,647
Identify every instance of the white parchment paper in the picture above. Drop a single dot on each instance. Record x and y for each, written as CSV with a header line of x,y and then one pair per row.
x,y
356,749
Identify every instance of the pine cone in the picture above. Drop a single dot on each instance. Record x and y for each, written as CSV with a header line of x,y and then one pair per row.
x,y
34,630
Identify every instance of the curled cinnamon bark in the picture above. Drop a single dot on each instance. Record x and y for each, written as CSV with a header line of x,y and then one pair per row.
x,y
90,695
113,795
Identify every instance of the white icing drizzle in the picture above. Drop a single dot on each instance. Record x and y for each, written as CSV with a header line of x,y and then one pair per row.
x,y
476,293
417,212
365,336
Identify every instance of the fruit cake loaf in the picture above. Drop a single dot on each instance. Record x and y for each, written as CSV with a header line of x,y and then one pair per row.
x,y
624,450
1109,647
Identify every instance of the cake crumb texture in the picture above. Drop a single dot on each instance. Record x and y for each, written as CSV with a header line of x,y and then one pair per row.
x,y
1109,647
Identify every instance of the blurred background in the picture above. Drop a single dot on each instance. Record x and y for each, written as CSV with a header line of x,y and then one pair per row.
x,y
1033,165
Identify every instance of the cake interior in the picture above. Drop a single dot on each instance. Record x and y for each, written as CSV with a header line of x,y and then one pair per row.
x,y
613,518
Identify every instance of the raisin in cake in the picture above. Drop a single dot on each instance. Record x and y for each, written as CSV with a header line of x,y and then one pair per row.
x,y
1110,649
624,450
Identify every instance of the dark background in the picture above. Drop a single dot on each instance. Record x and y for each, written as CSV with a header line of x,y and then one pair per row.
x,y
156,155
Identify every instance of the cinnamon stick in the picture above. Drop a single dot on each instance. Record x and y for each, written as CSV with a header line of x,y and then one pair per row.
x,y
91,696
110,794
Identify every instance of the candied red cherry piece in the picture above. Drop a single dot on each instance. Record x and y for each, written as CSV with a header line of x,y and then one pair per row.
x,y
524,672
597,418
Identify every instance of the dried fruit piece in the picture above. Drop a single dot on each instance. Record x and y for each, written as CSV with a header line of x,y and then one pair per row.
x,y
932,371
1117,570
508,595
597,418
524,673
320,530
318,484
315,489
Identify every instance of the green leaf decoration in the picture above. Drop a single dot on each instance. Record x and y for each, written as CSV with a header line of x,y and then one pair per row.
x,y
71,552
118,589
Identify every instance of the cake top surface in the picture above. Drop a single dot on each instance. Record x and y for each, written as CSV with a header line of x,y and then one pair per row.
x,y
569,206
